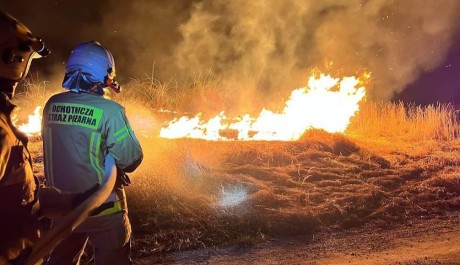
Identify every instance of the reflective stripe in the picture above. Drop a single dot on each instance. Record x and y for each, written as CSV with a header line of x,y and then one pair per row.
x,y
118,197
49,155
119,139
94,145
122,133
98,149
115,209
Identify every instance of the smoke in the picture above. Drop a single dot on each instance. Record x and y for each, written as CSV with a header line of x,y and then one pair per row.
x,y
277,42
261,46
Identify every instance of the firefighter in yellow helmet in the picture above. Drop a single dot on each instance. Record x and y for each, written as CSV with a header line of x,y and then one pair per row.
x,y
21,197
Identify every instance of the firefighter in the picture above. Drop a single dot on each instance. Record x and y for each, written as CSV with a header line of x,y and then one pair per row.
x,y
80,127
21,195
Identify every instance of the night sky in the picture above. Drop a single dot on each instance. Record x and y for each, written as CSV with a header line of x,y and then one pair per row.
x,y
439,85
413,51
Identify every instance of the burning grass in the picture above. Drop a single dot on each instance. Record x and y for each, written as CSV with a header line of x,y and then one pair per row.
x,y
395,163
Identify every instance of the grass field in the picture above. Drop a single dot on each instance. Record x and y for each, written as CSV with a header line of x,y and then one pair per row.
x,y
396,162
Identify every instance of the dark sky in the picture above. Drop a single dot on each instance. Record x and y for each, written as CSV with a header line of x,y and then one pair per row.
x,y
412,50
115,24
442,84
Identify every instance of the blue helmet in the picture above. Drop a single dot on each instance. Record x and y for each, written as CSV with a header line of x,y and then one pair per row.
x,y
90,68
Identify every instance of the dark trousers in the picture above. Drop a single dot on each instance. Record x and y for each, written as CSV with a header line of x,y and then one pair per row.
x,y
110,235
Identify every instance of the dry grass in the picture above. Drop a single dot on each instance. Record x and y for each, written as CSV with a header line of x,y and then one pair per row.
x,y
31,94
281,189
203,94
401,122
396,162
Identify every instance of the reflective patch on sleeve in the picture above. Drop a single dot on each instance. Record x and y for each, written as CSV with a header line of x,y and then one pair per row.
x,y
74,114
122,133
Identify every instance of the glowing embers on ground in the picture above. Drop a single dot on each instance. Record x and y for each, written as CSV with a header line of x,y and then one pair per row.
x,y
326,103
34,124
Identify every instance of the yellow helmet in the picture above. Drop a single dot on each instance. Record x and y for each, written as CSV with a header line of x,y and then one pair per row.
x,y
17,48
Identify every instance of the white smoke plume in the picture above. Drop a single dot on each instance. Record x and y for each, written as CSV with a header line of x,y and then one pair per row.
x,y
271,45
276,42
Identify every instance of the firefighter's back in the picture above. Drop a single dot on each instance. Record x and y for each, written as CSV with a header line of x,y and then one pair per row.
x,y
81,127
74,128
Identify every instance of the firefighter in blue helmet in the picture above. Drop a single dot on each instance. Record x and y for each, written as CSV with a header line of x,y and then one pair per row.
x,y
80,127
21,196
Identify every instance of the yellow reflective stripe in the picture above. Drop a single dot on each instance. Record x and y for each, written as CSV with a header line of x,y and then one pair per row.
x,y
119,139
115,209
49,156
93,157
123,133
98,148
120,131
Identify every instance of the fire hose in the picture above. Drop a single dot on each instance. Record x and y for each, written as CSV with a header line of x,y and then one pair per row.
x,y
67,225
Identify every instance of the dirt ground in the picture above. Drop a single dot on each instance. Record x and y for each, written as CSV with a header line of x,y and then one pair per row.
x,y
434,241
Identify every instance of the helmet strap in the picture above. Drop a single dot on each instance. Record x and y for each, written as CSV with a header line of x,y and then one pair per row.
x,y
97,89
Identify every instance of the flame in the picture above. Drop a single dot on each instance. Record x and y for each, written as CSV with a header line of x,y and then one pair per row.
x,y
326,103
34,125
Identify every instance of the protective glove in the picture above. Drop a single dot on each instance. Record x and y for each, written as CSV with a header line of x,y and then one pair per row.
x,y
123,178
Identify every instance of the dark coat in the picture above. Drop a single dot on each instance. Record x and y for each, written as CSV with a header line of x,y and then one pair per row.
x,y
19,226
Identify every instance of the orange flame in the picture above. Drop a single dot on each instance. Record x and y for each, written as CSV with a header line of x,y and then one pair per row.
x,y
326,103
33,126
